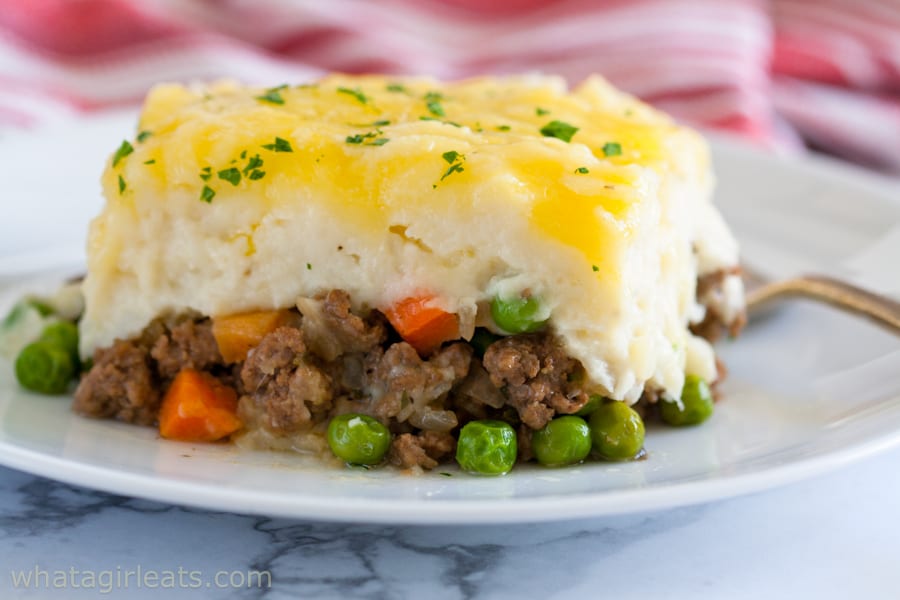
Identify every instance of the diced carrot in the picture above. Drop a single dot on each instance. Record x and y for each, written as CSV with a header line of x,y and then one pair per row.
x,y
236,335
424,327
198,408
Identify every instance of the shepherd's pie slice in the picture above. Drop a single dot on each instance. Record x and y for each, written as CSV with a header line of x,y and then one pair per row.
x,y
586,211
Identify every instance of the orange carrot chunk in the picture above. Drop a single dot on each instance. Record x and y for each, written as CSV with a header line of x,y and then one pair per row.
x,y
236,335
198,408
424,327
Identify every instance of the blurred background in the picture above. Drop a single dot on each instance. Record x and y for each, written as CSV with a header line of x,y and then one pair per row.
x,y
784,74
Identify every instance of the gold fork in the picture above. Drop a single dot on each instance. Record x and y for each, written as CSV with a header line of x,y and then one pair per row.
x,y
881,310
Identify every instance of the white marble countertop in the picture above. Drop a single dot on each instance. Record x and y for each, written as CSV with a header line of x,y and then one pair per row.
x,y
835,536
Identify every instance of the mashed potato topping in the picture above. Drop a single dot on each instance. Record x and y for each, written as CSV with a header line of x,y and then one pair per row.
x,y
233,199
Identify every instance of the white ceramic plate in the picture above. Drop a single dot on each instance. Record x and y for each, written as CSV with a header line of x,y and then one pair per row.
x,y
810,389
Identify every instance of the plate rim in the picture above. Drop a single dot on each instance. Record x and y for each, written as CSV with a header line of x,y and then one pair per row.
x,y
349,509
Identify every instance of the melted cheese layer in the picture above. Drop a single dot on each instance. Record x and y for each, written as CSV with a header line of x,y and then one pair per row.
x,y
241,198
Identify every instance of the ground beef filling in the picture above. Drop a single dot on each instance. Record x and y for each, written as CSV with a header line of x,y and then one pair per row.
x,y
283,383
127,379
714,323
332,361
539,379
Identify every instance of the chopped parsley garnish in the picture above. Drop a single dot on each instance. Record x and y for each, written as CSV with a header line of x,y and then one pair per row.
x,y
595,268
454,159
232,175
454,123
308,267
152,161
612,149
541,111
396,87
378,123
445,474
559,130
355,92
582,170
124,150
503,127
280,145
254,163
251,170
142,136
457,168
205,173
121,185
433,104
361,138
273,95
207,194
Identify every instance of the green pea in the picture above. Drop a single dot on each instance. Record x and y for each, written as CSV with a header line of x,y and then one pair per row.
x,y
45,367
563,441
696,404
617,431
591,405
481,339
517,315
358,439
63,334
487,447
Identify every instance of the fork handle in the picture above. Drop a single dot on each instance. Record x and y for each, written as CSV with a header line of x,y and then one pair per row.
x,y
844,296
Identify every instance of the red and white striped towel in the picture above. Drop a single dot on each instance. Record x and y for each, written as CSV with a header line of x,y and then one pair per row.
x,y
824,71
